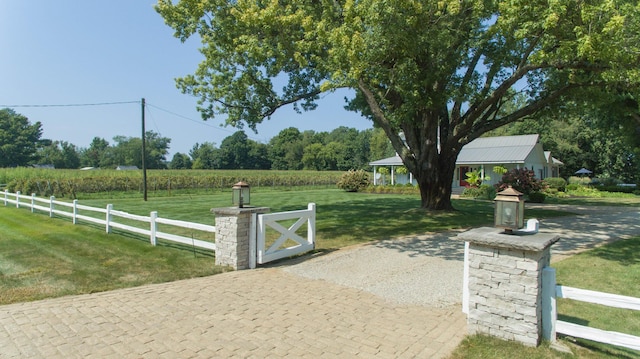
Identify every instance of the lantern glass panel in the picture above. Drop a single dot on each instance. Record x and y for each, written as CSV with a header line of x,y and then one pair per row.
x,y
241,194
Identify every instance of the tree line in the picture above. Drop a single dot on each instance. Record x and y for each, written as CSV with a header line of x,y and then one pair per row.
x,y
603,140
339,150
608,146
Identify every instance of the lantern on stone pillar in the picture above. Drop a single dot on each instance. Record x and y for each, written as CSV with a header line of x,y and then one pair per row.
x,y
241,194
509,210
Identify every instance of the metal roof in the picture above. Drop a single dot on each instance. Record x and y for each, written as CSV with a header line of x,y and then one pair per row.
x,y
391,161
551,159
498,150
503,149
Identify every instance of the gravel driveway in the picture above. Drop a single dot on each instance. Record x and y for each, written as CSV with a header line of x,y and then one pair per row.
x,y
427,269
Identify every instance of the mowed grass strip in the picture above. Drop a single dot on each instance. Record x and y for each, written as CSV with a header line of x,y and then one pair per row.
x,y
613,268
42,257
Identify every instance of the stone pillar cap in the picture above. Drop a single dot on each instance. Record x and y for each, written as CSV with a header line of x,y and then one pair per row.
x,y
234,211
494,237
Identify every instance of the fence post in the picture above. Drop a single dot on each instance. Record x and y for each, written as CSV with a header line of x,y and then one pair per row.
x,y
6,196
18,199
253,241
33,202
311,225
51,206
233,228
154,226
108,218
549,308
465,280
75,211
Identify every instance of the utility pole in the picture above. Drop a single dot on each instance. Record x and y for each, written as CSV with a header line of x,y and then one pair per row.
x,y
144,155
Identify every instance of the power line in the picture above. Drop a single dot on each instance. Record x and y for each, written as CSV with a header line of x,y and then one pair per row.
x,y
76,104
200,122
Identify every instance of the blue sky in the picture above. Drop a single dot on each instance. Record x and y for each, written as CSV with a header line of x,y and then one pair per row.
x,y
86,52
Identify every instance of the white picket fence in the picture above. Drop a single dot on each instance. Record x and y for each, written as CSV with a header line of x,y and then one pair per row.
x,y
72,210
551,326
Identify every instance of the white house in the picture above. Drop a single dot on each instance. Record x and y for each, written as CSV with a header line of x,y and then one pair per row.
x,y
482,155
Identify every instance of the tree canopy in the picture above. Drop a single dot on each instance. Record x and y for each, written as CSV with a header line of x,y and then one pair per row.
x,y
60,154
18,139
606,142
434,75
128,151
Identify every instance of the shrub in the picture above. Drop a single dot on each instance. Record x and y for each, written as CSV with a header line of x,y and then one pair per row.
x,y
572,187
607,182
615,189
354,181
474,178
522,180
557,183
483,192
579,180
537,197
402,170
501,170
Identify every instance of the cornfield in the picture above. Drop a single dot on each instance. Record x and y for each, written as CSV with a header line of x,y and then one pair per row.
x,y
71,183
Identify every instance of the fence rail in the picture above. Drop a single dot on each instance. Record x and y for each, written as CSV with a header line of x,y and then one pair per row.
x,y
52,207
551,325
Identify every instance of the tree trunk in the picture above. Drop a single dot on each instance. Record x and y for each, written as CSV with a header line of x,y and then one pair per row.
x,y
435,183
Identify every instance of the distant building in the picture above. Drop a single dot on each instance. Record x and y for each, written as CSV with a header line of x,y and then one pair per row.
x,y
482,154
127,168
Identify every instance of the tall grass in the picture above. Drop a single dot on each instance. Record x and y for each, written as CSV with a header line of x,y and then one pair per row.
x,y
78,184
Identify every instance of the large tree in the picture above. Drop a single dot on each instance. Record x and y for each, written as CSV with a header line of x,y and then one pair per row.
x,y
18,139
239,152
205,156
285,150
432,74
61,154
95,154
127,151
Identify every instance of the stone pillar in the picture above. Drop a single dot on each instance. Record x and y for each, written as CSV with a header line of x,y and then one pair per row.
x,y
505,283
233,235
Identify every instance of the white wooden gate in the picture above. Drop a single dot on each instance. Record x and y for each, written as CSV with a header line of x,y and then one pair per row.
x,y
276,250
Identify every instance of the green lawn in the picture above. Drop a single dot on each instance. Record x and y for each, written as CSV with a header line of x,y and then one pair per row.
x,y
343,218
43,257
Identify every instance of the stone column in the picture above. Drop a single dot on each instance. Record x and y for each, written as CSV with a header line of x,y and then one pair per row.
x,y
233,232
505,283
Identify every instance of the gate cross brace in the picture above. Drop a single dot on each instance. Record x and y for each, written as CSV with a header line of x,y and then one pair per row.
x,y
289,233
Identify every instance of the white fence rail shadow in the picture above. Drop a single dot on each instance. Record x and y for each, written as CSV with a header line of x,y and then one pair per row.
x,y
72,210
551,326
